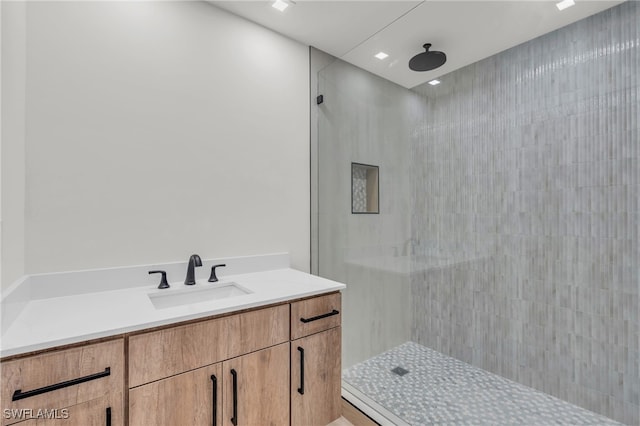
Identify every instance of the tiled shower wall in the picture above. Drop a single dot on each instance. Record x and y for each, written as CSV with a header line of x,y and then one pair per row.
x,y
526,198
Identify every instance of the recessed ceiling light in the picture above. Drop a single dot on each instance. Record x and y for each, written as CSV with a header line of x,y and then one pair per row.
x,y
381,55
434,82
565,4
280,5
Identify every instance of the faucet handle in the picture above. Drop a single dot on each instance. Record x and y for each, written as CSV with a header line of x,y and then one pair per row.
x,y
213,278
163,280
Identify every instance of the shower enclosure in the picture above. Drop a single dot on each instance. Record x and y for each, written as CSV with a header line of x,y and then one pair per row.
x,y
506,233
366,121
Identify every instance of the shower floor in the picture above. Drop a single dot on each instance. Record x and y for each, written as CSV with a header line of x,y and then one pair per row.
x,y
439,389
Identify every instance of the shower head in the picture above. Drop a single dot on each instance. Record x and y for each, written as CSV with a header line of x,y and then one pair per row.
x,y
427,60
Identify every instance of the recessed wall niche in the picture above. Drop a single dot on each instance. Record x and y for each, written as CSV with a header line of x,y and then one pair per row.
x,y
364,188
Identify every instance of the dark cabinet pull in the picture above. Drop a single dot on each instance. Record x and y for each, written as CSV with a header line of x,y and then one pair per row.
x,y
18,394
329,314
108,415
215,399
301,388
234,419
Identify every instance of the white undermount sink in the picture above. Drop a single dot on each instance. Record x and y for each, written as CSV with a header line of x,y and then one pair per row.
x,y
188,296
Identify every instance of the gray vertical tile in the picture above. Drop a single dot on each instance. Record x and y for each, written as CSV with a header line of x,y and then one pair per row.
x,y
544,138
516,182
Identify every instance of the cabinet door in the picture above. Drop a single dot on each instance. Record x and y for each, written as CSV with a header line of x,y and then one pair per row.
x,y
97,412
256,388
62,378
192,398
315,378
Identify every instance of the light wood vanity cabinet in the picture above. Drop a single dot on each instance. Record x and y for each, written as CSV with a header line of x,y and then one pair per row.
x,y
256,359
277,366
77,386
170,371
316,361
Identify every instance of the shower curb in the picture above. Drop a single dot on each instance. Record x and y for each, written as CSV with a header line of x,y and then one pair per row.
x,y
369,407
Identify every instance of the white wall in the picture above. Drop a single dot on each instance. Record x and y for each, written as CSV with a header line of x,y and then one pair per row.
x,y
160,129
13,140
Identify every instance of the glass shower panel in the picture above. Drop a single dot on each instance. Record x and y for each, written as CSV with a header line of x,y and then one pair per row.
x,y
366,120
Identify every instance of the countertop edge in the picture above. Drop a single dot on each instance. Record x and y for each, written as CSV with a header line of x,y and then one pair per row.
x,y
105,334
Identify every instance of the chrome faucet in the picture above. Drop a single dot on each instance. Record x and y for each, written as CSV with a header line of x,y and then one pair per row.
x,y
194,261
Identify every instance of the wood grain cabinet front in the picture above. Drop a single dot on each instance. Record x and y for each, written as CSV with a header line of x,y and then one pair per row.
x,y
316,357
316,378
315,314
82,385
256,388
98,412
193,398
252,389
158,354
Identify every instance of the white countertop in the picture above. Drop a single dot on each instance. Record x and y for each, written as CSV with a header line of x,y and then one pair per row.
x,y
38,322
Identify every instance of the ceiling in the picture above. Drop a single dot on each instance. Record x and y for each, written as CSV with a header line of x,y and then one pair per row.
x,y
466,31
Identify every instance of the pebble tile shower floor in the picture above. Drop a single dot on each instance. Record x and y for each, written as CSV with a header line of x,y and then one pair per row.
x,y
442,390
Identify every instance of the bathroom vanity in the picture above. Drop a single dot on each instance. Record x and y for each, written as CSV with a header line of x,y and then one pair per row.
x,y
268,356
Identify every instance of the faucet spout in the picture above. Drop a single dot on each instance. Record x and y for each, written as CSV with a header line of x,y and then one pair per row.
x,y
194,261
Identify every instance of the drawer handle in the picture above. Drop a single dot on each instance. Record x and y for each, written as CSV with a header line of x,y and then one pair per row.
x,y
18,394
234,376
329,314
108,416
215,399
301,388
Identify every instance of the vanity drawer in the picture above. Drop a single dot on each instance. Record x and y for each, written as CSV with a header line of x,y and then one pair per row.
x,y
174,350
63,378
311,316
